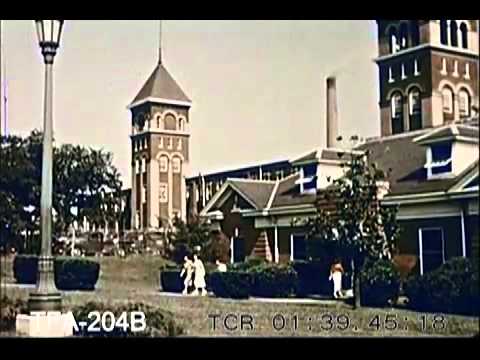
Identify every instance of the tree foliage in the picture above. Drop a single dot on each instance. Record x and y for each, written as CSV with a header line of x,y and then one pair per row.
x,y
356,222
85,183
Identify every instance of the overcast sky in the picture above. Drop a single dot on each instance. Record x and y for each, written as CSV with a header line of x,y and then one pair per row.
x,y
258,87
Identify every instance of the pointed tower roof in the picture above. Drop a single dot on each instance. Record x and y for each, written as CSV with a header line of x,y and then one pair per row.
x,y
161,87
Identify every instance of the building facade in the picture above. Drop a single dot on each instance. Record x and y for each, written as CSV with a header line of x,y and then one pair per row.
x,y
160,151
428,73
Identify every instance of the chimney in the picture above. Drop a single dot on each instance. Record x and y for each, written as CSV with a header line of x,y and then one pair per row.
x,y
332,112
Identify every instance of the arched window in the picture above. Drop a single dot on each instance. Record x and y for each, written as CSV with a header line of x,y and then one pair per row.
x,y
453,33
403,36
415,109
176,165
447,100
396,104
163,164
464,34
464,103
415,32
180,124
443,32
393,40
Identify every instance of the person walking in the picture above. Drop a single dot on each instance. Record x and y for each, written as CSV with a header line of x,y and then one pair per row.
x,y
336,273
199,280
188,271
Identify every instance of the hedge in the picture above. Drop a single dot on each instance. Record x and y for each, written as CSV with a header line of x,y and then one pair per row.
x,y
274,281
160,323
171,281
70,273
452,288
380,283
231,284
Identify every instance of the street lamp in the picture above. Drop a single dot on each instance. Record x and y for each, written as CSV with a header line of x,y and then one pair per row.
x,y
46,297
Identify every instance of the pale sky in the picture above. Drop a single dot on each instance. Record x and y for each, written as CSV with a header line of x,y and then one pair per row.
x,y
257,87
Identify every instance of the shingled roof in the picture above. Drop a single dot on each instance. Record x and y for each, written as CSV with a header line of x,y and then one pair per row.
x,y
405,160
256,191
161,86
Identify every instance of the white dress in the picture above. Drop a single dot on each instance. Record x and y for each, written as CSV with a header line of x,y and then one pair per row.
x,y
337,281
199,280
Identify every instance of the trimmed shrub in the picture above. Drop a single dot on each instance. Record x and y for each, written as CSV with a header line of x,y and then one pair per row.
x,y
312,277
452,288
70,273
171,281
380,283
231,284
10,309
274,281
76,274
160,323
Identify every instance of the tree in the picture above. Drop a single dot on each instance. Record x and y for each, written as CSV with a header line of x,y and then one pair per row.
x,y
186,237
351,216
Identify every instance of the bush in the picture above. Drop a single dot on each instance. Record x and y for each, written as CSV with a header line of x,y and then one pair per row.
x,y
171,281
230,284
217,248
452,288
179,251
313,277
250,263
10,309
70,273
380,283
160,323
274,281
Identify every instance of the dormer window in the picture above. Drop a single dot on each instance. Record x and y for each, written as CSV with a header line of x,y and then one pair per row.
x,y
308,179
439,160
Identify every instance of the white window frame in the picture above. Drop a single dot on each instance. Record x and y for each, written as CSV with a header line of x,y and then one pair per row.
x,y
390,75
455,69
292,250
449,109
404,75
176,165
466,99
444,67
416,71
466,76
434,164
163,164
420,245
410,100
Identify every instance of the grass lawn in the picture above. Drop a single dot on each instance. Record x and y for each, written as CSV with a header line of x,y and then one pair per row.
x,y
137,279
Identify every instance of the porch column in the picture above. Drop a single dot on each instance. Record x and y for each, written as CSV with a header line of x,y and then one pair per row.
x,y
464,240
276,256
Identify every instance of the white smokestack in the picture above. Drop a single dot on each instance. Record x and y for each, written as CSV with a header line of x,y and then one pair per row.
x,y
332,112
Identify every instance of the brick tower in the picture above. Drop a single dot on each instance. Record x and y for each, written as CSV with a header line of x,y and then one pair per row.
x,y
428,72
160,150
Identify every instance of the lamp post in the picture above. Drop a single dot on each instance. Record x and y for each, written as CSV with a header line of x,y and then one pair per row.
x,y
46,297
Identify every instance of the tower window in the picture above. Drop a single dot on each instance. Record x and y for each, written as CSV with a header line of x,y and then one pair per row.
x,y
415,109
444,67
447,100
416,69
179,144
466,76
464,103
397,113
163,164
390,75
176,165
404,75
464,34
163,193
144,165
455,68
453,33
393,40
403,36
415,33
443,32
